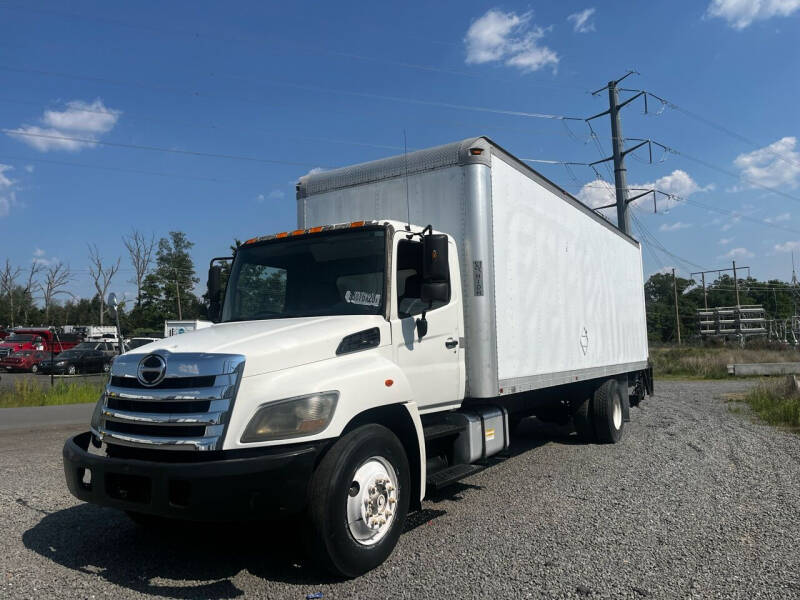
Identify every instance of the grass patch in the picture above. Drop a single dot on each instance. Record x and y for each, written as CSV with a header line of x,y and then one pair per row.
x,y
776,402
28,393
701,362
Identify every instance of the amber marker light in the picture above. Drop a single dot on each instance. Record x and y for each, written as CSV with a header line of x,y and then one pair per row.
x,y
389,383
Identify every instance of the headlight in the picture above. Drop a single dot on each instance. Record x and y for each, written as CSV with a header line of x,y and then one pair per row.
x,y
293,417
61,363
98,408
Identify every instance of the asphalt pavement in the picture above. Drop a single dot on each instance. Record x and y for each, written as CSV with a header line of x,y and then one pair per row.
x,y
695,502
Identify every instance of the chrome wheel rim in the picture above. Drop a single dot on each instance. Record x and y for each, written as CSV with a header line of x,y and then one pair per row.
x,y
617,414
372,501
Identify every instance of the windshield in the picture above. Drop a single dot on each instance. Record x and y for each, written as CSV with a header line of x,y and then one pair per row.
x,y
23,353
332,273
68,355
19,337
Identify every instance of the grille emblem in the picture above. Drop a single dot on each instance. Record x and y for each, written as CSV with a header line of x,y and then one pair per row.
x,y
152,370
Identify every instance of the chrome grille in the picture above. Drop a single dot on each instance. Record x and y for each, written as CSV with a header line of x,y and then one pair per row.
x,y
180,413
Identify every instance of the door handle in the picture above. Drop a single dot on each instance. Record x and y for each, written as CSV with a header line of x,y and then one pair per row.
x,y
450,344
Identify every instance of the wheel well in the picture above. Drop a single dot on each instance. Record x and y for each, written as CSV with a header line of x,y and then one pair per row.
x,y
396,418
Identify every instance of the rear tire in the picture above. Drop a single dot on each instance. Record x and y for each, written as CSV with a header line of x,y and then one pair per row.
x,y
357,501
34,369
607,412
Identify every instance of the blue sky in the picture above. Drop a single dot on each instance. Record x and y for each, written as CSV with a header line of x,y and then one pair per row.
x,y
272,90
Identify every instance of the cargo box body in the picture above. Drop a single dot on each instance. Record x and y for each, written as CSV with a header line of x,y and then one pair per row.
x,y
553,293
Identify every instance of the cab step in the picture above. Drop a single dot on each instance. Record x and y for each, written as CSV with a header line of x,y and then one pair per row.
x,y
445,477
442,429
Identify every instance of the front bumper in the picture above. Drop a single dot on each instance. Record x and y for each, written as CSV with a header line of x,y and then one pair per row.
x,y
254,486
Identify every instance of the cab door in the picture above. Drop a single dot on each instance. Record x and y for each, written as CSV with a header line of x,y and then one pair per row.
x,y
433,364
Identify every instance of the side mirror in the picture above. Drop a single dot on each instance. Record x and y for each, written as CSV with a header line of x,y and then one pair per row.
x,y
435,263
214,291
435,291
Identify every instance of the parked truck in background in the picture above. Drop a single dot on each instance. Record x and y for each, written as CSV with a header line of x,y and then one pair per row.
x,y
46,339
179,326
361,360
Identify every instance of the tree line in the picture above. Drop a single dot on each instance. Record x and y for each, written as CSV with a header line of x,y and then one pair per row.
x,y
163,272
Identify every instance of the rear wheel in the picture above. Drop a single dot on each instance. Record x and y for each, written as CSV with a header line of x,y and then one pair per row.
x,y
358,500
607,412
106,367
34,369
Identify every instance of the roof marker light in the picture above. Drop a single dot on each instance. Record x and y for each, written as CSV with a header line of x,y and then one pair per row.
x,y
476,151
357,223
282,234
298,232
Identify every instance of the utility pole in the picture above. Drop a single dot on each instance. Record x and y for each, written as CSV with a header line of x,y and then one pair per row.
x,y
677,319
736,284
178,293
619,152
620,173
705,293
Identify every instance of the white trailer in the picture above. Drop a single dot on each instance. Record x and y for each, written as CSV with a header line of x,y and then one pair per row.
x,y
387,347
553,292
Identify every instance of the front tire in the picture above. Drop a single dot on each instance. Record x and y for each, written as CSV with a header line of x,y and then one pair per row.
x,y
71,370
357,501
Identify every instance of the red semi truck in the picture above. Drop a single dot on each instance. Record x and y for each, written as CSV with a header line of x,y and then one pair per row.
x,y
37,338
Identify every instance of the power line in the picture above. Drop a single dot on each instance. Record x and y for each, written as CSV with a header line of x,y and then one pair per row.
x,y
298,86
90,141
283,42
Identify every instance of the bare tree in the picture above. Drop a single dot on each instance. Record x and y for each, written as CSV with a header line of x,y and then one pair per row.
x,y
101,275
140,250
36,268
56,278
8,281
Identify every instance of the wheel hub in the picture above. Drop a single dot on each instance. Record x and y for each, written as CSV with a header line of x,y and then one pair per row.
x,y
371,510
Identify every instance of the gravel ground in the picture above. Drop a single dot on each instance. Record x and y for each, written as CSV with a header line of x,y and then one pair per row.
x,y
695,502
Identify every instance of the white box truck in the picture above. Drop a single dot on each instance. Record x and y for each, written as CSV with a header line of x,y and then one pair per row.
x,y
181,326
387,347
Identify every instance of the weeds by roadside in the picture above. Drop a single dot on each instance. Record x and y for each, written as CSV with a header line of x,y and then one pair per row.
x,y
28,393
776,402
711,362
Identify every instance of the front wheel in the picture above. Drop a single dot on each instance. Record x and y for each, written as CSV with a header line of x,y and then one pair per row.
x,y
71,370
358,500
34,369
106,367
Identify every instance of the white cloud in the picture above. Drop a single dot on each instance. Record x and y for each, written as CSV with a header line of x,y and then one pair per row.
x,y
772,166
674,226
82,120
741,13
777,164
581,22
778,218
787,247
680,183
8,197
29,168
734,253
508,37
724,241
260,198
277,195
38,252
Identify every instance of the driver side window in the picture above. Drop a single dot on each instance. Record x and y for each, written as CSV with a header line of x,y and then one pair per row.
x,y
409,280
